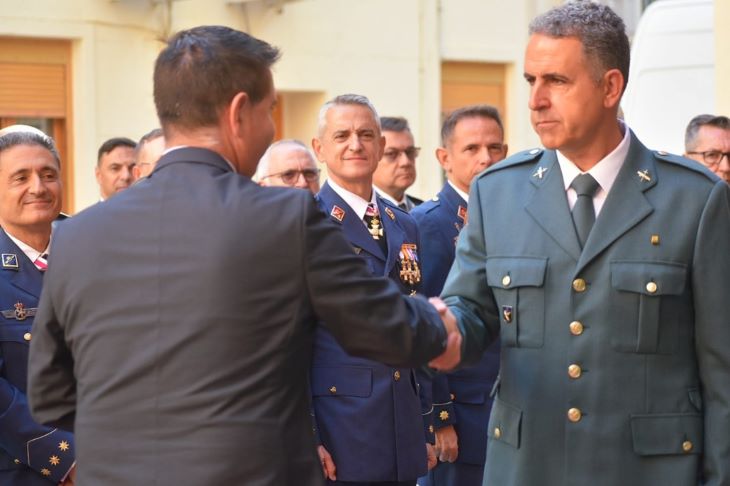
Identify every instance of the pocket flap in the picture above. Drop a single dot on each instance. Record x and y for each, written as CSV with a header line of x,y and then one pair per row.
x,y
341,381
508,272
505,423
635,276
14,333
661,434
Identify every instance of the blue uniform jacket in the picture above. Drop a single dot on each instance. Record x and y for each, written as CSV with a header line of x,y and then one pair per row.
x,y
30,454
367,414
460,398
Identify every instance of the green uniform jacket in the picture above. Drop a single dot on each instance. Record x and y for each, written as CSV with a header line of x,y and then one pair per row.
x,y
615,366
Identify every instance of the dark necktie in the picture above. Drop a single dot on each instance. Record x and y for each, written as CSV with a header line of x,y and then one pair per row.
x,y
375,227
583,213
404,206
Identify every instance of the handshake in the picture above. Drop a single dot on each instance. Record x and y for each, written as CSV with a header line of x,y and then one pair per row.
x,y
452,354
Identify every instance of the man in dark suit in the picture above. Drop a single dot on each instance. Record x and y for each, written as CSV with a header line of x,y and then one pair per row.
x,y
368,415
174,334
396,170
30,200
472,139
604,268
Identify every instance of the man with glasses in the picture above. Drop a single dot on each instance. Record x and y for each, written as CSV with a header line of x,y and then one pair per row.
x,y
396,170
288,163
149,150
707,140
472,139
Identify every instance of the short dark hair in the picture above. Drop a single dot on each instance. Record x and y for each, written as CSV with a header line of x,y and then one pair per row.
x,y
13,139
113,143
690,135
203,68
471,111
597,27
394,124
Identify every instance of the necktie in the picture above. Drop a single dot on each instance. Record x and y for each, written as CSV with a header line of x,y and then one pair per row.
x,y
403,206
41,263
583,213
375,228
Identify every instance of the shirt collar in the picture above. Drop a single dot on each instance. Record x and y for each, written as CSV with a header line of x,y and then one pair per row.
x,y
390,198
177,147
30,252
605,171
356,203
461,193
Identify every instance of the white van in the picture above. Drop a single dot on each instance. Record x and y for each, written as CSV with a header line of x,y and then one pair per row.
x,y
672,76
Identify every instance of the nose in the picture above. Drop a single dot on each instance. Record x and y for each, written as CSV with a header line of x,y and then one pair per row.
x,y
301,182
538,99
354,143
126,173
485,158
37,185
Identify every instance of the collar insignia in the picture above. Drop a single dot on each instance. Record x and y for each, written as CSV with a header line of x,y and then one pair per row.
x,y
10,260
643,175
338,213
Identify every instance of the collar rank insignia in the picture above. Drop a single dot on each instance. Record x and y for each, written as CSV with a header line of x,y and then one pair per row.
x,y
539,172
507,313
462,213
644,175
20,313
10,260
338,213
390,213
410,273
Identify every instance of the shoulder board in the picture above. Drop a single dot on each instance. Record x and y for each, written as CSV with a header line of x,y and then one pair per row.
x,y
682,161
428,205
519,158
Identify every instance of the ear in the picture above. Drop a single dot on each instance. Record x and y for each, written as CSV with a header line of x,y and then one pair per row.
x,y
505,149
443,157
97,173
381,150
317,148
235,119
613,87
136,172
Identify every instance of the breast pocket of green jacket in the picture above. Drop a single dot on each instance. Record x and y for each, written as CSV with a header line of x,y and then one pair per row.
x,y
644,307
518,287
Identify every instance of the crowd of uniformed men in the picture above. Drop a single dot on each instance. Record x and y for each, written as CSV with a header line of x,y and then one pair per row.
x,y
601,267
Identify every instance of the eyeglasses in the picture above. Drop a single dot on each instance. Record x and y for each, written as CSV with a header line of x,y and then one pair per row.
x,y
712,158
290,177
391,155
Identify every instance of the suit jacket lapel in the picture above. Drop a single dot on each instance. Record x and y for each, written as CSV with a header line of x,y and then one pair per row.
x,y
394,235
355,230
626,204
549,205
26,277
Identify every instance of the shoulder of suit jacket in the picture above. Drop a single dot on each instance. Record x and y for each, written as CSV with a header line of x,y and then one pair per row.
x,y
692,165
519,158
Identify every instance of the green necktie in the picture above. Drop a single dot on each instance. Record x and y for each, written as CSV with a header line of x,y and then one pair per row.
x,y
583,213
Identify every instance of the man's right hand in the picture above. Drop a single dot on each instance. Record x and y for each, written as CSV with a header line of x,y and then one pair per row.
x,y
447,444
452,354
328,465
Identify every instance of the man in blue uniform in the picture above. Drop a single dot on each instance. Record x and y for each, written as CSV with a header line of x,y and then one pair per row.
x,y
367,414
472,139
30,200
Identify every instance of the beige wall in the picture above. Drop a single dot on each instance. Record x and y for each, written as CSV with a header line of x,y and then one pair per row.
x,y
722,57
389,50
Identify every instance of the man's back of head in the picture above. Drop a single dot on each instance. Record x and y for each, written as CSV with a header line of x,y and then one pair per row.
x,y
213,88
